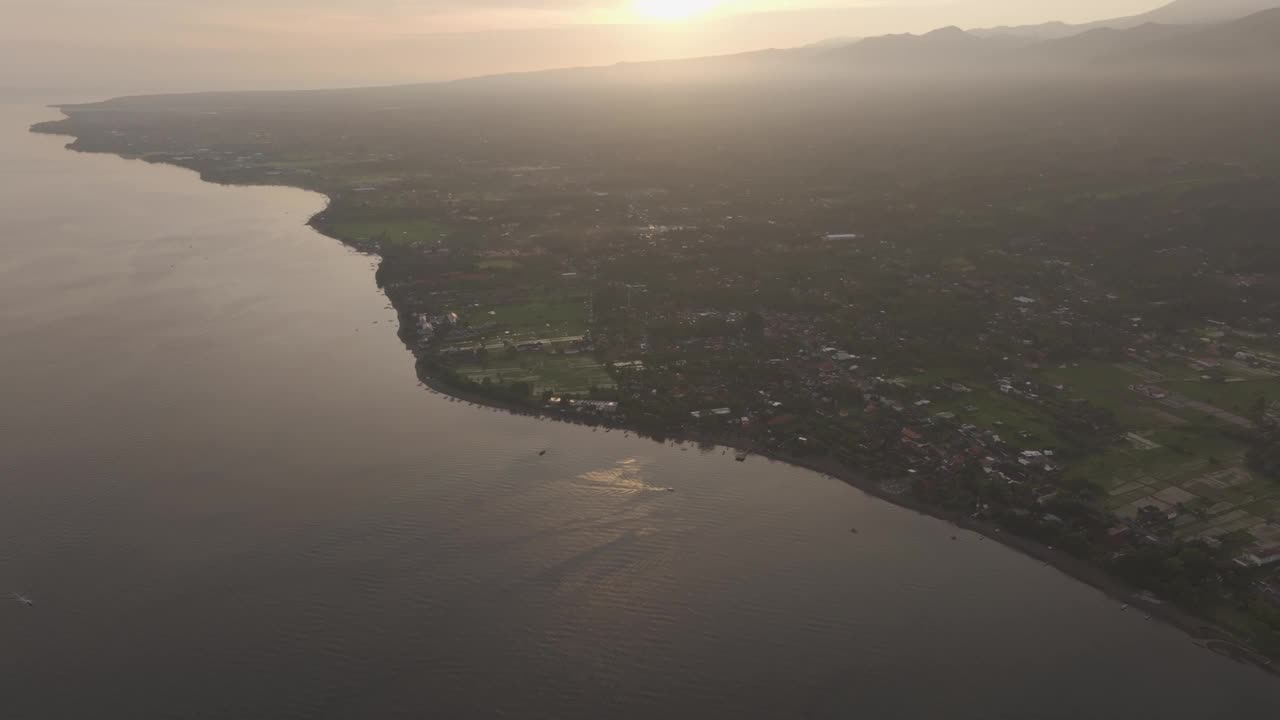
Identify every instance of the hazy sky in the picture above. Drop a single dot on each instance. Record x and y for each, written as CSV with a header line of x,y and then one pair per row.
x,y
139,45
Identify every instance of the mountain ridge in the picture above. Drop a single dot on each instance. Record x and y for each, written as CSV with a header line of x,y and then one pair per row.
x,y
1249,40
1245,45
1178,12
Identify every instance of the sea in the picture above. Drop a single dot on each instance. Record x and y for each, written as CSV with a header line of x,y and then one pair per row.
x,y
226,495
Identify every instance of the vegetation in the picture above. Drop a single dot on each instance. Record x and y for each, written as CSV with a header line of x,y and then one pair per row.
x,y
1052,307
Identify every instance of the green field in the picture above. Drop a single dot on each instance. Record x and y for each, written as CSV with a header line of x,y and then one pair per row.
x,y
1176,457
498,264
1182,453
933,376
544,317
1188,447
399,231
1237,397
1007,416
1104,384
1196,467
1093,377
565,374
1107,385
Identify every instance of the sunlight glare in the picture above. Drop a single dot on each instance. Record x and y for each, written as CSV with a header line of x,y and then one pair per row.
x,y
672,10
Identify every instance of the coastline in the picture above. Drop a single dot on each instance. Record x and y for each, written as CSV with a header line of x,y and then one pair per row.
x,y
1201,631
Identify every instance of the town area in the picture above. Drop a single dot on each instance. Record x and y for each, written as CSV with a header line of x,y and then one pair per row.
x,y
1082,352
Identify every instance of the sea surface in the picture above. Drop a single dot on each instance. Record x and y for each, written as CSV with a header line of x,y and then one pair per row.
x,y
228,497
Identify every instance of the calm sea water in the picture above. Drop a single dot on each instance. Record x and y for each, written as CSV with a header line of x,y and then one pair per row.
x,y
228,498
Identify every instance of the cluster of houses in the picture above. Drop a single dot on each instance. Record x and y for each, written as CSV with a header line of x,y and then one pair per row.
x,y
429,325
602,407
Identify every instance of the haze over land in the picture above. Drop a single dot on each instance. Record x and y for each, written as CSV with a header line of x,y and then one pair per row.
x,y
1011,265
182,45
224,470
1024,278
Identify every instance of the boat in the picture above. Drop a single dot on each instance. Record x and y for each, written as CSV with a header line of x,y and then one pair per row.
x,y
740,457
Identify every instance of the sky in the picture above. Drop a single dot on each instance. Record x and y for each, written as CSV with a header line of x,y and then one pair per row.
x,y
183,45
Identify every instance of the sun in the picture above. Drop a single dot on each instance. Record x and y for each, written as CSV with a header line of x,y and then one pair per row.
x,y
671,10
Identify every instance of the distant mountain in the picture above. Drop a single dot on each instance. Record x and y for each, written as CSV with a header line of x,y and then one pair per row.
x,y
1251,42
1196,12
946,46
1244,45
1100,43
1242,42
1178,12
1043,31
835,42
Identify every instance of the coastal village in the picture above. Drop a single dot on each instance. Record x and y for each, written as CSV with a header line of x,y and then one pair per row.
x,y
1116,404
1129,452
1133,447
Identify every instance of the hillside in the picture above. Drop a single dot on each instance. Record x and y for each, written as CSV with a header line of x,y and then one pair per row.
x,y
879,271
1238,45
1098,43
937,58
1250,43
1192,12
1179,12
944,46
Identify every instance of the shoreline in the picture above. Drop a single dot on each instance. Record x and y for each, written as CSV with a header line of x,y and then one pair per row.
x,y
1200,631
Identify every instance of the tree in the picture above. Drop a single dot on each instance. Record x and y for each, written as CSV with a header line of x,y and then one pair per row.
x,y
1258,413
1265,457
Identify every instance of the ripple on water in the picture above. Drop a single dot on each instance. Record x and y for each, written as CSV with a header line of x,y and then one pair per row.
x,y
230,504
